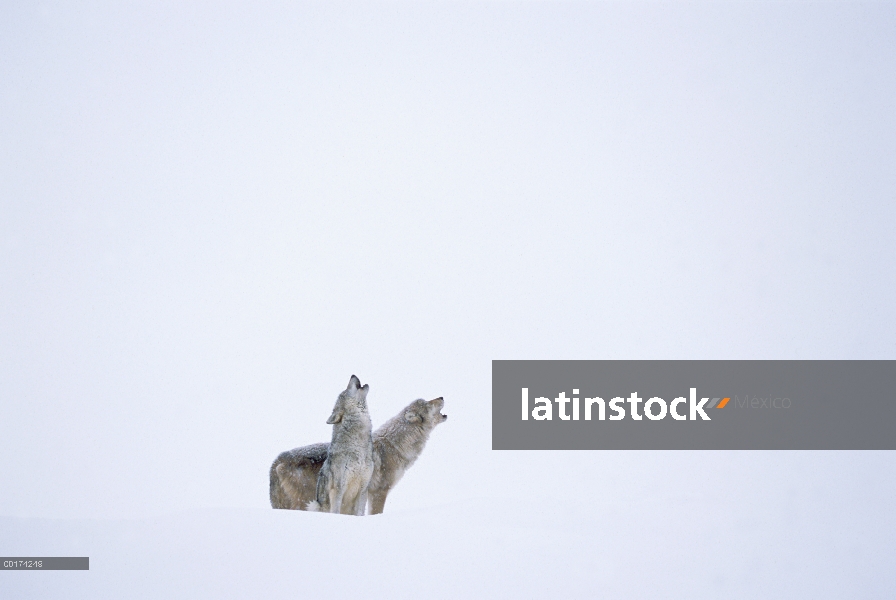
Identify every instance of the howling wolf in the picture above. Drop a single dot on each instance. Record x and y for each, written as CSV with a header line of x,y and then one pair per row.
x,y
344,474
396,445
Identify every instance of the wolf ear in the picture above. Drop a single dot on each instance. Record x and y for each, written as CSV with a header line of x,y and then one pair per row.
x,y
412,417
336,417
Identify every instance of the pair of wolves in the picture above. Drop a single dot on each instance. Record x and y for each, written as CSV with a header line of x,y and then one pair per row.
x,y
358,467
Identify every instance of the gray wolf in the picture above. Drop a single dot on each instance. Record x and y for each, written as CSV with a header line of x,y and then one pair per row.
x,y
346,472
396,446
294,476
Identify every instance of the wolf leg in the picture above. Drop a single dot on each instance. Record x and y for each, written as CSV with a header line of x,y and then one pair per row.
x,y
336,500
350,501
322,494
377,502
294,487
360,504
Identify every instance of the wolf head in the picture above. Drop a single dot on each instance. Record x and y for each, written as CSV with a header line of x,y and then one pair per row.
x,y
353,401
426,413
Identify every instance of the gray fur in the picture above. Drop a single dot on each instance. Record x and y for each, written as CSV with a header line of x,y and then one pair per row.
x,y
345,474
398,443
396,446
294,476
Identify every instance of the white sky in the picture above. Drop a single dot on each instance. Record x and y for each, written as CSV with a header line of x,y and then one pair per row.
x,y
210,217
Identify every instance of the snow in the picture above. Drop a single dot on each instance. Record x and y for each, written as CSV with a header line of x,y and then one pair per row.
x,y
661,548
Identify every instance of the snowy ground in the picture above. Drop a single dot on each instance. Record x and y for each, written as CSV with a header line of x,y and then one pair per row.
x,y
667,548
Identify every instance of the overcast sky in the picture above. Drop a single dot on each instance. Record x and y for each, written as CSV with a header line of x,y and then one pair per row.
x,y
211,216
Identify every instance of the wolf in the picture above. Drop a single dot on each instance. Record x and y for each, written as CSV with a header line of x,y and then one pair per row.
x,y
345,475
330,477
396,446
